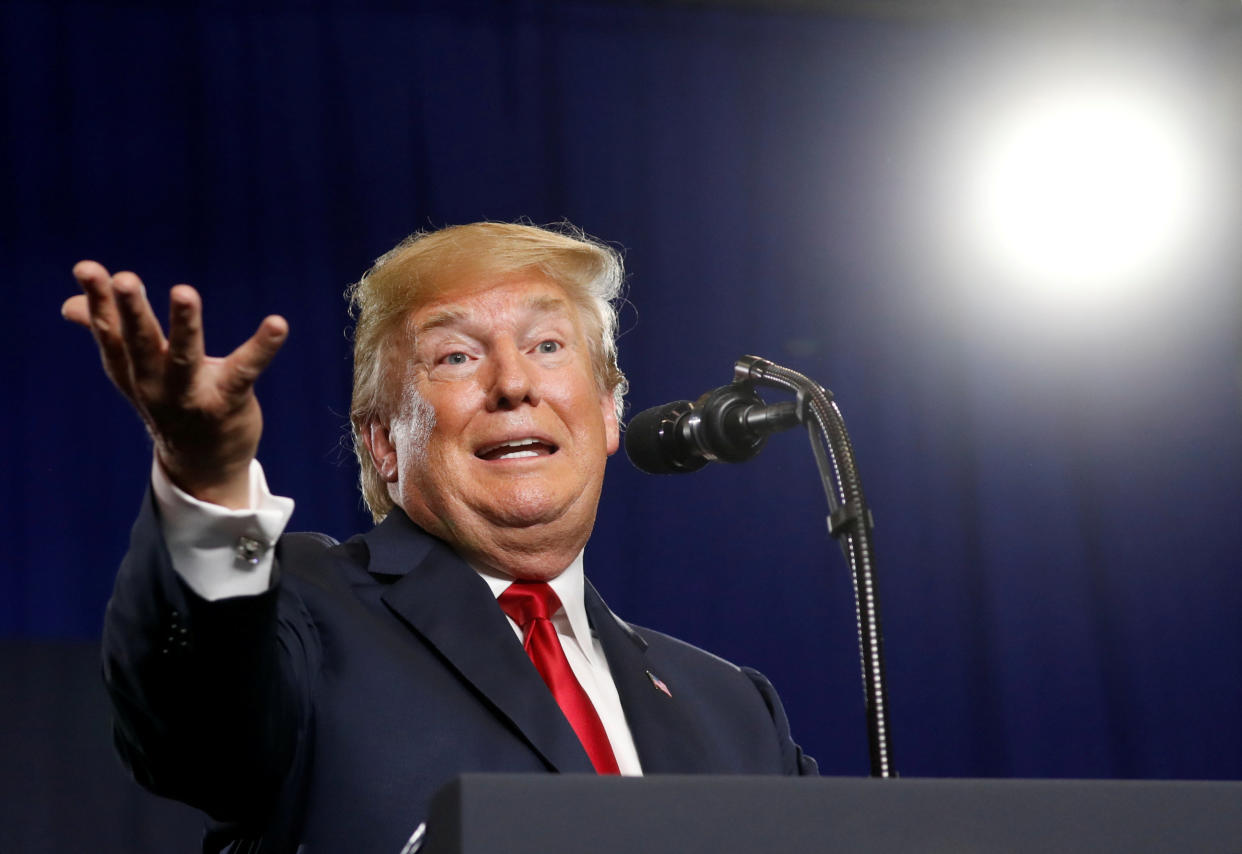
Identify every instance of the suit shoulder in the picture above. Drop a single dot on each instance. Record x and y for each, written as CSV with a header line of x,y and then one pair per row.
x,y
667,645
319,558
683,655
298,548
312,538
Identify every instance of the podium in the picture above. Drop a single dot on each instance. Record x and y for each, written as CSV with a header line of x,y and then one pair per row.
x,y
537,814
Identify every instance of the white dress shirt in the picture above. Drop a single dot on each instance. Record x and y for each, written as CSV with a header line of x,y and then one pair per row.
x,y
586,658
203,541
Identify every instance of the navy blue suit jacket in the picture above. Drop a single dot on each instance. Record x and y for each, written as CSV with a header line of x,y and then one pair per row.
x,y
325,712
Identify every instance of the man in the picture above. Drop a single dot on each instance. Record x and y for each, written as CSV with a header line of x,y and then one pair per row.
x,y
305,693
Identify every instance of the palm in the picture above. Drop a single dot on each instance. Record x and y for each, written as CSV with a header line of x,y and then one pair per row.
x,y
201,411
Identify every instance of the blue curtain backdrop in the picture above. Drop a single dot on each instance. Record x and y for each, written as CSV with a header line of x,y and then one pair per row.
x,y
1057,505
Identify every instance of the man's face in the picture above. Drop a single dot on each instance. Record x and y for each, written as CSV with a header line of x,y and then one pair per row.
x,y
510,472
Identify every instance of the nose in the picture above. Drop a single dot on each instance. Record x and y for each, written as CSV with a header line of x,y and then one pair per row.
x,y
511,381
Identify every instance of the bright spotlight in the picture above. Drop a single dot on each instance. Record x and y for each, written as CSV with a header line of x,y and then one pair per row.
x,y
1084,189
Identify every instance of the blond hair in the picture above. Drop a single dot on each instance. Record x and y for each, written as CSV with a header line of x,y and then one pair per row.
x,y
426,264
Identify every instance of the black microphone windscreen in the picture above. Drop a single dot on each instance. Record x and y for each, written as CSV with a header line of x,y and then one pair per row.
x,y
649,440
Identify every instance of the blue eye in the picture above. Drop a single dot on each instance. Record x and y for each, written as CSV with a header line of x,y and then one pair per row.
x,y
455,359
548,346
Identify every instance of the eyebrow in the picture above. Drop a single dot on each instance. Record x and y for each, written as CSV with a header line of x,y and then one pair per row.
x,y
453,315
444,317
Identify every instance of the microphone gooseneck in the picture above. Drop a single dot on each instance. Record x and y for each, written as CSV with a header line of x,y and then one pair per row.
x,y
731,424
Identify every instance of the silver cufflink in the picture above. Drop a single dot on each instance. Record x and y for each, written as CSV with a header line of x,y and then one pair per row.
x,y
250,549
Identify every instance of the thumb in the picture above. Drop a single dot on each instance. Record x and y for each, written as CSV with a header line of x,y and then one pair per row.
x,y
248,361
76,311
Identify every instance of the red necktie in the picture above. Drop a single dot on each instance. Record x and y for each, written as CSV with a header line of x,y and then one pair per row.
x,y
531,605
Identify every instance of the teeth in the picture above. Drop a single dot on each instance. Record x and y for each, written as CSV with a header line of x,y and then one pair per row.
x,y
495,451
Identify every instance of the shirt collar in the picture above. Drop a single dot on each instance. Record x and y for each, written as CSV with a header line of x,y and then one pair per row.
x,y
569,587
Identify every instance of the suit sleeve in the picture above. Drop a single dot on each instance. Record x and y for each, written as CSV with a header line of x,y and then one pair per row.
x,y
794,761
210,698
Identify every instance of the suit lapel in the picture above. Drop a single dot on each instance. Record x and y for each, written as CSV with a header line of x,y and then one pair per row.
x,y
442,599
664,733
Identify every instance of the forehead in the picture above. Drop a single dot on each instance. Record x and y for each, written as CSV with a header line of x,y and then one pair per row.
x,y
507,300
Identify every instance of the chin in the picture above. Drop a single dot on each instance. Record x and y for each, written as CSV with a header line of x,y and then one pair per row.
x,y
530,506
524,514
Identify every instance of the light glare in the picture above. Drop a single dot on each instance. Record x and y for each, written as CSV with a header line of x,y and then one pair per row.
x,y
1081,191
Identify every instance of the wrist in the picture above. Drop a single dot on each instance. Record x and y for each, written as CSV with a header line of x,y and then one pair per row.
x,y
227,486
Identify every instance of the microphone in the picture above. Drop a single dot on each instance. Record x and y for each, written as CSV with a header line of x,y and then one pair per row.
x,y
729,424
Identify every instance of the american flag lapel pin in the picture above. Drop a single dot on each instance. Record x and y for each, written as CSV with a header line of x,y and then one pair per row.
x,y
659,685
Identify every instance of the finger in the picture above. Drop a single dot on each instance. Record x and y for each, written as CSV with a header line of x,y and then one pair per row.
x,y
76,310
104,322
247,362
96,284
185,338
143,337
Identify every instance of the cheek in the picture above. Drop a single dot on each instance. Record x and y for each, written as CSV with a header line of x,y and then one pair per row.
x,y
414,431
451,406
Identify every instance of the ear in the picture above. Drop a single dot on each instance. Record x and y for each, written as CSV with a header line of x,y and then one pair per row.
x,y
612,431
383,453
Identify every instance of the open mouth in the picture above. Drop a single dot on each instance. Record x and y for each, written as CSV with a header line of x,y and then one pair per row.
x,y
516,449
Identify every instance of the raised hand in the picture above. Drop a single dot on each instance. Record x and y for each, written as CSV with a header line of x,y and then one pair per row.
x,y
200,410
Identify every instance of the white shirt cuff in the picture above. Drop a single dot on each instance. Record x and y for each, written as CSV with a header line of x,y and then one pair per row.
x,y
220,552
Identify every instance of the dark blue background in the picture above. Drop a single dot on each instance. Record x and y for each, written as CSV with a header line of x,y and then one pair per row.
x,y
1056,502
